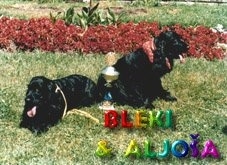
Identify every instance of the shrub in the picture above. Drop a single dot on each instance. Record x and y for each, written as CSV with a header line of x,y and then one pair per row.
x,y
89,16
43,34
146,3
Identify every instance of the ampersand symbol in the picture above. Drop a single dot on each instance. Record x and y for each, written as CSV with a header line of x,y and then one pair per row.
x,y
102,149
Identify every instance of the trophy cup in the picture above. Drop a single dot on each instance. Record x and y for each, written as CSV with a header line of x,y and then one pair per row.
x,y
109,74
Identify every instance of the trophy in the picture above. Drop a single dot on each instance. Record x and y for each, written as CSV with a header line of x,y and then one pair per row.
x,y
109,74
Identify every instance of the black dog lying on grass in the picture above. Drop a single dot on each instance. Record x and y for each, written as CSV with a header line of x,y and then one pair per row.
x,y
139,82
47,101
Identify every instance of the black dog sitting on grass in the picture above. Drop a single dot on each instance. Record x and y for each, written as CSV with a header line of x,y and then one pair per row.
x,y
139,82
47,101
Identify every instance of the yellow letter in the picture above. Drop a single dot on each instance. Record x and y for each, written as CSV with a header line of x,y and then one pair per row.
x,y
133,149
102,150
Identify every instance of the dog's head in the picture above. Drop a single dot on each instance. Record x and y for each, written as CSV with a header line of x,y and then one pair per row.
x,y
169,46
40,95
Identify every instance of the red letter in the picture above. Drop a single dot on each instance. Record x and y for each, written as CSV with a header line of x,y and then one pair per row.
x,y
124,122
111,119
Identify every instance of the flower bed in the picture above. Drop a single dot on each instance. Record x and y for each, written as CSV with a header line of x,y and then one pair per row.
x,y
41,33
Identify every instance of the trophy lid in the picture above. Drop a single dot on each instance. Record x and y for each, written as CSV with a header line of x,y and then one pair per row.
x,y
110,70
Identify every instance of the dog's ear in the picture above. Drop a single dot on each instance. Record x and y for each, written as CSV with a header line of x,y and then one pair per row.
x,y
167,36
161,41
161,46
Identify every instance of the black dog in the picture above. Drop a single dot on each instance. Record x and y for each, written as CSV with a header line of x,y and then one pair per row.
x,y
47,101
139,82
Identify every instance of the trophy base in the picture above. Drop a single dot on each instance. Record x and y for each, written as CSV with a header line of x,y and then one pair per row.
x,y
106,105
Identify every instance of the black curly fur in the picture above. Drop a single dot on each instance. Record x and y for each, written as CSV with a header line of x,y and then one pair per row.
x,y
139,82
78,90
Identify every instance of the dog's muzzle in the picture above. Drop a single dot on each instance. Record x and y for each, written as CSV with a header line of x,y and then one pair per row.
x,y
168,65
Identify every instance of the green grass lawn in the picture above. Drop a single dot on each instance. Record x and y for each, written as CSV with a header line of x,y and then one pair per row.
x,y
186,15
199,85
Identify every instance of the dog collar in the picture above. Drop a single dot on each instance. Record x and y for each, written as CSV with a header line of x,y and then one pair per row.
x,y
148,48
59,89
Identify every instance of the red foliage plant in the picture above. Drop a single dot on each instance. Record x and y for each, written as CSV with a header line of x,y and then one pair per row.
x,y
43,34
